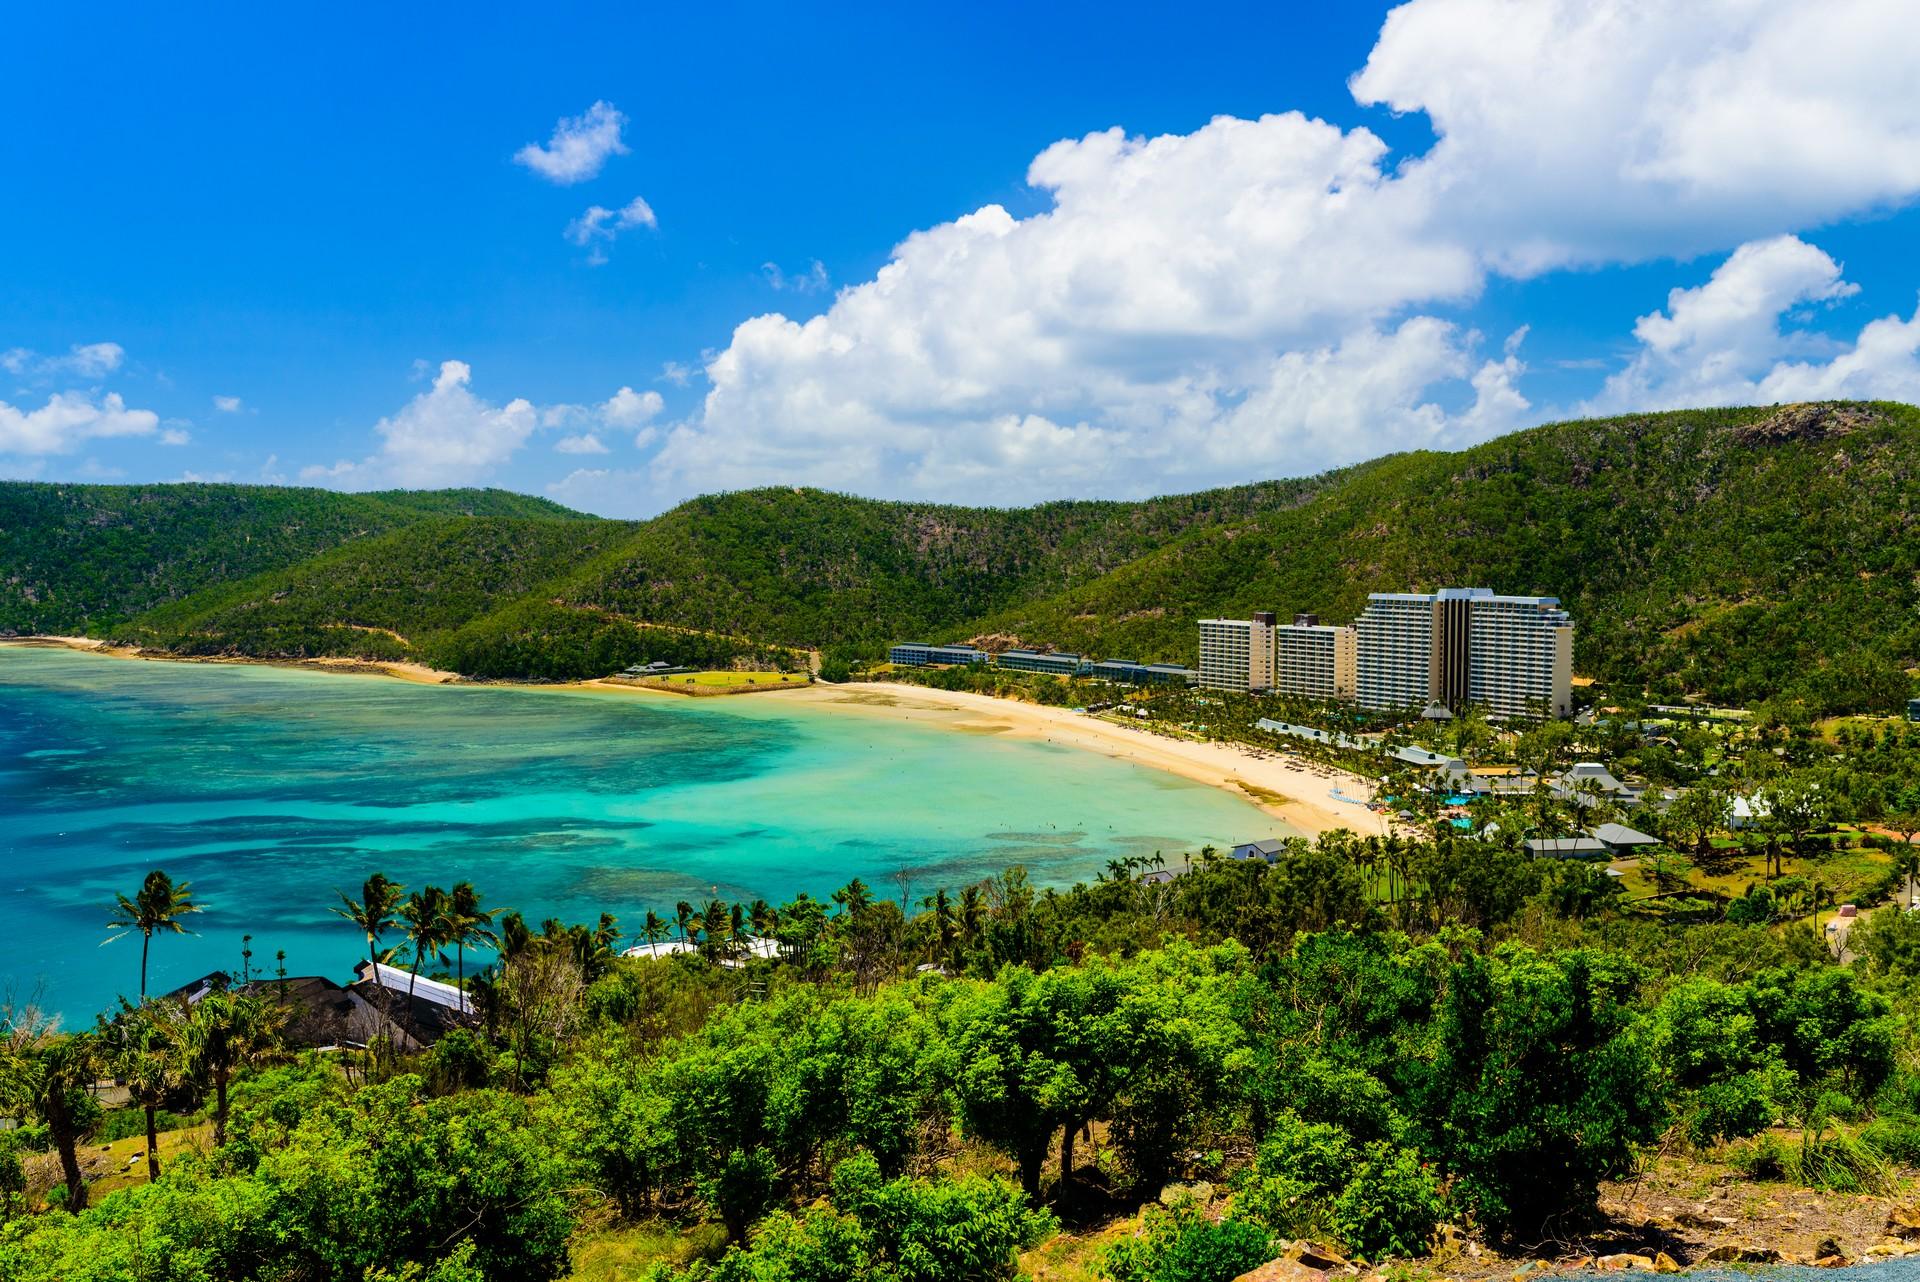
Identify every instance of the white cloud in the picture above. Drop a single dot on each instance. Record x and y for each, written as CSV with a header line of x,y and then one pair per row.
x,y
1588,131
1267,296
82,360
1713,341
1730,342
579,147
628,409
444,436
582,443
175,436
68,420
677,373
599,226
228,404
811,281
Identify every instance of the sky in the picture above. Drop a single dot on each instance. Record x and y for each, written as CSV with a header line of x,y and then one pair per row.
x,y
1002,254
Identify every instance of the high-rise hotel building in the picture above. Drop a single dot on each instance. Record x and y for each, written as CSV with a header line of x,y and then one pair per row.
x,y
1314,659
1237,654
1512,655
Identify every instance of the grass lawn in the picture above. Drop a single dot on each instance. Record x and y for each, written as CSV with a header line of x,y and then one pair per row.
x,y
617,1254
1845,872
123,1163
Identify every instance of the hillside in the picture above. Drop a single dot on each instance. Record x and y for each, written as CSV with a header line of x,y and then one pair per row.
x,y
75,558
1735,554
754,575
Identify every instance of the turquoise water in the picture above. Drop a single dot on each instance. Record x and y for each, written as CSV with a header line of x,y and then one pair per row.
x,y
269,788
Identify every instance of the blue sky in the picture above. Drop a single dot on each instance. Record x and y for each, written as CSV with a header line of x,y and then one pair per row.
x,y
251,244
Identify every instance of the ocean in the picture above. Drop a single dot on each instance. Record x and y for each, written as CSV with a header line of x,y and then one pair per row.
x,y
271,789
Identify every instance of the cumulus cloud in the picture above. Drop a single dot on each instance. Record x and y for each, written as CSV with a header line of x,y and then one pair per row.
x,y
82,360
580,443
228,404
1590,131
629,409
69,420
1269,296
444,436
579,147
1729,341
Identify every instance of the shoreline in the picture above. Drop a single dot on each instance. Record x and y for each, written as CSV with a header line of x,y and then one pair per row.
x,y
1285,788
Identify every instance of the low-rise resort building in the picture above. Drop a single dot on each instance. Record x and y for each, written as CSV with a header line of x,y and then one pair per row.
x,y
1052,663
914,654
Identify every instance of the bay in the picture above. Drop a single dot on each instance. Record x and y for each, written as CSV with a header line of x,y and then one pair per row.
x,y
271,789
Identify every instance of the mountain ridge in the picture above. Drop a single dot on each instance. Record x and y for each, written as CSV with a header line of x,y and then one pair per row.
x,y
1730,553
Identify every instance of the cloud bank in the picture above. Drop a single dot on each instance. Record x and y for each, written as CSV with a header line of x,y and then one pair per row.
x,y
1274,296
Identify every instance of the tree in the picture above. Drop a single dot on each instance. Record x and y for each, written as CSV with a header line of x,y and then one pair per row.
x,y
50,1075
145,1051
1539,1090
1038,1054
159,906
467,923
1698,813
653,928
683,917
424,915
226,1032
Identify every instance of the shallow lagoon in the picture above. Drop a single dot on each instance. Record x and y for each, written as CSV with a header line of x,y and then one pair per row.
x,y
268,788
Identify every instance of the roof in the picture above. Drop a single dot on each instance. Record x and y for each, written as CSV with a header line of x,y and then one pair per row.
x,y
1563,847
422,988
1427,757
1621,835
1265,847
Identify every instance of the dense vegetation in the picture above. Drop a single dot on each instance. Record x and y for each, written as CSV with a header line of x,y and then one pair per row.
x,y
78,558
1728,554
1358,1042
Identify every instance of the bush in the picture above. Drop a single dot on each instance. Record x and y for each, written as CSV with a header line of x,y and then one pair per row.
x,y
1180,1244
1390,1206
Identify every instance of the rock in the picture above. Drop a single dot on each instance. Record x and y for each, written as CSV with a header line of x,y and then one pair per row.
x,y
1828,1248
1730,1253
1282,1270
1701,1220
1664,1263
1830,1262
1624,1260
1903,1222
1315,1256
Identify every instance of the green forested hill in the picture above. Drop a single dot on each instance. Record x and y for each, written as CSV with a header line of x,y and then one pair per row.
x,y
807,567
80,557
1730,553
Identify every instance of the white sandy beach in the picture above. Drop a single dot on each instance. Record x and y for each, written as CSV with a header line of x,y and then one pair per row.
x,y
1293,791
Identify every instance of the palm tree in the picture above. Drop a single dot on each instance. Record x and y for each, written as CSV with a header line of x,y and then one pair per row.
x,y
373,912
737,922
853,897
467,923
683,915
653,928
424,915
51,1077
763,917
224,1033
147,1055
158,907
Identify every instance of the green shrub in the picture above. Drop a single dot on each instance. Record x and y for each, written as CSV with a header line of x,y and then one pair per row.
x,y
1180,1244
1390,1206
